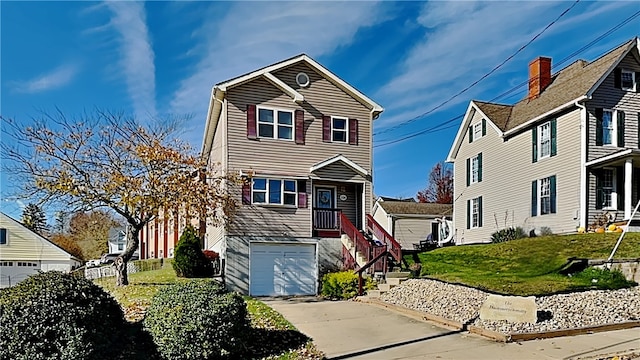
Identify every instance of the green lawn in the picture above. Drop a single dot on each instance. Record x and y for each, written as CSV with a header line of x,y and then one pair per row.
x,y
523,267
273,337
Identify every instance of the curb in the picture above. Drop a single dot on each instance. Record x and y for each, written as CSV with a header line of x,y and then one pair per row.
x,y
495,335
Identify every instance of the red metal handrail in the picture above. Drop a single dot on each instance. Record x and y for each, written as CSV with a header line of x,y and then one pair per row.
x,y
381,234
361,243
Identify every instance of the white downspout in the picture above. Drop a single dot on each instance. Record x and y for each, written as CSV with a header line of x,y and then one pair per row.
x,y
584,142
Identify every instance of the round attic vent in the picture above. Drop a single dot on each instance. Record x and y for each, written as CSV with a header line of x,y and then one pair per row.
x,y
302,79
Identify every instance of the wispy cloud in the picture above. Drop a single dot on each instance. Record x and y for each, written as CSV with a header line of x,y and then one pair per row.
x,y
253,35
55,79
136,54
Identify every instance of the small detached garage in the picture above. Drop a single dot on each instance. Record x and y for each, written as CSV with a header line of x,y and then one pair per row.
x,y
24,253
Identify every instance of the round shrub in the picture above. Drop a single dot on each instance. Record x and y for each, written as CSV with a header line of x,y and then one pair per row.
x,y
197,320
343,285
53,315
189,261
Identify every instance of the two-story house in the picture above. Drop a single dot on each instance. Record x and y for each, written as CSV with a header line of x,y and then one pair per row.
x,y
301,139
559,158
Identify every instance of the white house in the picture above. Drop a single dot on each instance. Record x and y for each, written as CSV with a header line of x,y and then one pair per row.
x,y
24,253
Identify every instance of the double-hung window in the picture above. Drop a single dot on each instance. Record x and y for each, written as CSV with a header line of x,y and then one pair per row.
x,y
339,129
608,128
274,191
544,136
275,124
475,169
474,213
477,131
608,183
628,80
543,196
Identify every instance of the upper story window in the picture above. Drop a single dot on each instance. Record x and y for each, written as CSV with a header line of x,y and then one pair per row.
x,y
339,129
610,126
474,169
628,80
477,130
274,191
275,124
3,236
544,139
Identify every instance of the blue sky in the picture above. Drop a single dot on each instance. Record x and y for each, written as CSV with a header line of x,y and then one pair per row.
x,y
160,58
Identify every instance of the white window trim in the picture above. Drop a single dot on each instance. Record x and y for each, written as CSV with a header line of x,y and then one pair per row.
x,y
614,190
6,232
346,129
540,156
475,216
634,81
475,171
477,130
540,196
275,123
282,192
614,124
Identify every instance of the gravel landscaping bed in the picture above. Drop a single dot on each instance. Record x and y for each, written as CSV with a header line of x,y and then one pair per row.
x,y
565,311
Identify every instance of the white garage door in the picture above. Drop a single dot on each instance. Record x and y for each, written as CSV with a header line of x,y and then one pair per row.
x,y
282,269
12,272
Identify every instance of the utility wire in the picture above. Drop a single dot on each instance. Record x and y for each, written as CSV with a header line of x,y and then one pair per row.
x,y
510,91
483,76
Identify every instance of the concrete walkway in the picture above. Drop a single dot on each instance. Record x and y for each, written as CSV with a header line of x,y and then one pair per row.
x,y
354,330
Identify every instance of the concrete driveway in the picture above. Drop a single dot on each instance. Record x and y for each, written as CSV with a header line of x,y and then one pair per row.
x,y
354,330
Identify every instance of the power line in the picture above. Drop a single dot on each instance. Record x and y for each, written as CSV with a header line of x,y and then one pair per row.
x,y
483,76
512,90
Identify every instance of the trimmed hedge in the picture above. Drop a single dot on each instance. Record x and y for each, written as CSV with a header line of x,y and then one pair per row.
x,y
343,285
197,320
53,315
189,260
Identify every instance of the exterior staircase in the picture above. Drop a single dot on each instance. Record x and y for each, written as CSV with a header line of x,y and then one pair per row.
x,y
392,280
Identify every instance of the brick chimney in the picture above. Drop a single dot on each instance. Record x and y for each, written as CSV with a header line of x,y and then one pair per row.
x,y
539,76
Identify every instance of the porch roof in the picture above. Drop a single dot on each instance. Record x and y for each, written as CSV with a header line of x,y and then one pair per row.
x,y
341,158
613,158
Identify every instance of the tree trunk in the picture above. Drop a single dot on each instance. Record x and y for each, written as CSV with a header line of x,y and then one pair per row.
x,y
121,261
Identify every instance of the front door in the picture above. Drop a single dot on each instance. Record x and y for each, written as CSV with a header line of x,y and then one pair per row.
x,y
325,214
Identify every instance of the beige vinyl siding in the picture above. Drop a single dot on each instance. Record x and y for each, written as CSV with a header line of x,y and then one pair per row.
x,y
218,162
606,96
609,97
408,231
287,157
23,244
339,171
507,174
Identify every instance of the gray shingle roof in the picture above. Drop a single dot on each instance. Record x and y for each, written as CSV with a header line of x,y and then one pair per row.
x,y
416,208
568,84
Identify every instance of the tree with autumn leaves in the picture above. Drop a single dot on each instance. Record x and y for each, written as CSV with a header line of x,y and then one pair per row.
x,y
440,186
110,160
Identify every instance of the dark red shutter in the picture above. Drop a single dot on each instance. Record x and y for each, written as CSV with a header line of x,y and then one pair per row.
x,y
246,192
326,128
251,122
302,193
299,127
353,131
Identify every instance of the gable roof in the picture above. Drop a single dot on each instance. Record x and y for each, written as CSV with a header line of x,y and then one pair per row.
x,y
343,159
219,90
416,208
574,83
46,247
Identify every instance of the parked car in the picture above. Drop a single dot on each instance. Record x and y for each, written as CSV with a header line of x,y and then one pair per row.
x,y
92,263
110,258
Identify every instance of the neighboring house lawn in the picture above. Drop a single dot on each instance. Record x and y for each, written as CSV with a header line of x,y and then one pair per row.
x,y
527,266
273,337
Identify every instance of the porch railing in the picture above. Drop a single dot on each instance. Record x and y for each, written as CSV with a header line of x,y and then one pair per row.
x,y
326,219
381,234
362,245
